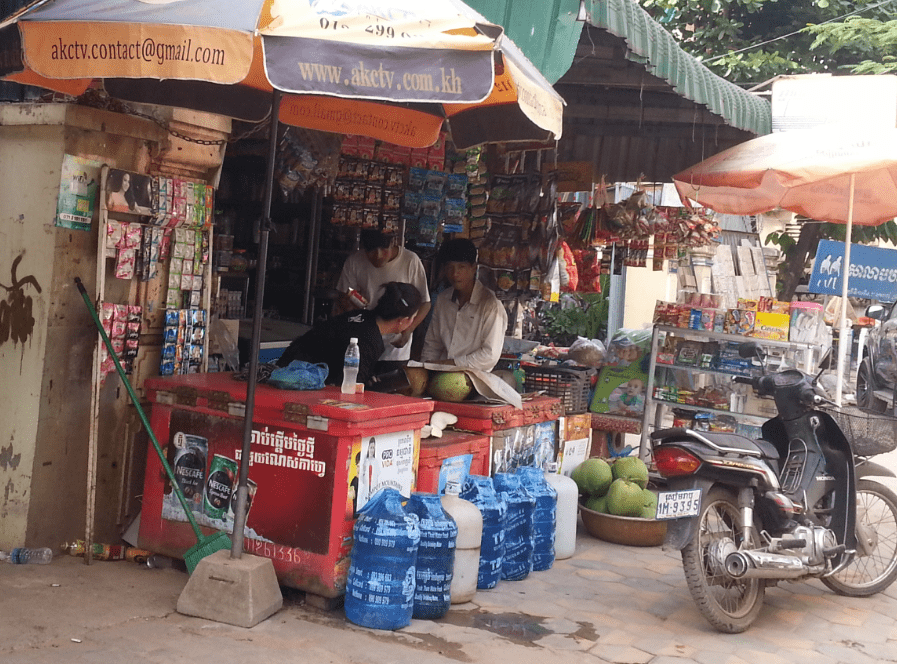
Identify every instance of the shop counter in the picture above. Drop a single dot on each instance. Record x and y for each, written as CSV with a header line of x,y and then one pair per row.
x,y
316,457
524,436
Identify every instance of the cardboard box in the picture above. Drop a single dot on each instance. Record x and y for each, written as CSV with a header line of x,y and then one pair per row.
x,y
574,441
772,326
740,321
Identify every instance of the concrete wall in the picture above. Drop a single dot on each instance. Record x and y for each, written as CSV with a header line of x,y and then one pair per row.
x,y
643,288
45,394
29,158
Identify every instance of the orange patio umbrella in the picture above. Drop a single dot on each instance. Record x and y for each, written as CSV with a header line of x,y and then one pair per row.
x,y
831,173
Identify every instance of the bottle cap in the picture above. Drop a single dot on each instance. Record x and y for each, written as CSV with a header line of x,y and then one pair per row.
x,y
353,340
452,488
551,467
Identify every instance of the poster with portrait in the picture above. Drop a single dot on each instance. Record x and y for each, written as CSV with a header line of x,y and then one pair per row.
x,y
78,187
384,460
129,192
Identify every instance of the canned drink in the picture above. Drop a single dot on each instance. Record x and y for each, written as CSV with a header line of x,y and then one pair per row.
x,y
222,474
135,555
357,298
190,465
251,488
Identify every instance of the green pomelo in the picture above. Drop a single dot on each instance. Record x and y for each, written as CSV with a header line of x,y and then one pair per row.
x,y
631,468
597,504
649,504
593,476
624,498
450,386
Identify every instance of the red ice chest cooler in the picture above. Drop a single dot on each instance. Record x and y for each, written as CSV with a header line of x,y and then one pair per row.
x,y
433,451
489,418
304,483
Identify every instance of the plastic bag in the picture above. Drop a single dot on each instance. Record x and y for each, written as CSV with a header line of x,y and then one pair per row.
x,y
226,342
299,375
587,352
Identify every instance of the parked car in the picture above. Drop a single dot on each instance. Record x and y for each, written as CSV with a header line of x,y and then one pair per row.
x,y
877,371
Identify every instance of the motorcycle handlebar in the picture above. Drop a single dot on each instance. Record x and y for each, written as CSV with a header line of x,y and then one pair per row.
x,y
767,385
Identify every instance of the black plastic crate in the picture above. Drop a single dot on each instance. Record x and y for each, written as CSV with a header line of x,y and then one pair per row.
x,y
570,384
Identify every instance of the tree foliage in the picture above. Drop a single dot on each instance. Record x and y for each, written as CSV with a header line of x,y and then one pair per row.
x,y
877,38
751,41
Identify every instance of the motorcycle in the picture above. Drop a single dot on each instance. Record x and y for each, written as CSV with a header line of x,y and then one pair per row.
x,y
795,504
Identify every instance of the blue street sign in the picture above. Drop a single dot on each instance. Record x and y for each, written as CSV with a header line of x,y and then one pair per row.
x,y
873,271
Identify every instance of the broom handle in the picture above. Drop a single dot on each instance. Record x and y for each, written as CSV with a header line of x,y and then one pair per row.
x,y
146,424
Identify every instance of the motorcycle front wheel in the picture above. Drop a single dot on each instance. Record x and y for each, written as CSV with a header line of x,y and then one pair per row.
x,y
874,567
729,605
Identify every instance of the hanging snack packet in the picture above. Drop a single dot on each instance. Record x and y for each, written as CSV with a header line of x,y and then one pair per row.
x,y
125,264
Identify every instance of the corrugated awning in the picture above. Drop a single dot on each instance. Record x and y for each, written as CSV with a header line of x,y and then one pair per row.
x,y
548,33
650,44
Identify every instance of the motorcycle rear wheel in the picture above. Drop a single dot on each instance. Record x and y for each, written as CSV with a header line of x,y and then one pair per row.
x,y
876,515
729,605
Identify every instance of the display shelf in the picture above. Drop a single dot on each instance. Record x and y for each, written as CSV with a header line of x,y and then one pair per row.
x,y
800,355
721,336
716,411
703,370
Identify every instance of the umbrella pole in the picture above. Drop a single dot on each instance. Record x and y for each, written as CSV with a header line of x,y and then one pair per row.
x,y
842,323
243,474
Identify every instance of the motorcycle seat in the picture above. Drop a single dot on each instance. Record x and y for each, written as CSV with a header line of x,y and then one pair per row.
x,y
723,439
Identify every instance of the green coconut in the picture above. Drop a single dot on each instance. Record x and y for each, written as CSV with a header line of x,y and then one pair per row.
x,y
450,386
649,504
593,476
631,468
597,504
625,498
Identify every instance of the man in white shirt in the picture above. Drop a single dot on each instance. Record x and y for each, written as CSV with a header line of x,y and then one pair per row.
x,y
379,261
469,323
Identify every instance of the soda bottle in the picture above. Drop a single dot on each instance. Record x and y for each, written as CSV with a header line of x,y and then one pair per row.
x,y
23,556
350,367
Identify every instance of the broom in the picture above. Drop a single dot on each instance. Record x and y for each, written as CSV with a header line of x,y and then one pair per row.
x,y
206,545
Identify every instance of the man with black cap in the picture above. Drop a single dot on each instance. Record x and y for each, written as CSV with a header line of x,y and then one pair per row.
x,y
469,323
380,261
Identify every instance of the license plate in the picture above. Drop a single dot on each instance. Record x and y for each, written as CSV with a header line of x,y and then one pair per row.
x,y
676,504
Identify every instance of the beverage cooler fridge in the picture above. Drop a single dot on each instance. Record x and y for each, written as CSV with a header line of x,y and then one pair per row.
x,y
316,458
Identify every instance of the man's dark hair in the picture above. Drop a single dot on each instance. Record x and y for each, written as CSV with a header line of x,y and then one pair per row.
x,y
460,250
398,301
374,238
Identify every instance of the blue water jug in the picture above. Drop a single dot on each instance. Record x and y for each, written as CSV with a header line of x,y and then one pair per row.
x,y
518,560
544,516
435,556
480,491
380,585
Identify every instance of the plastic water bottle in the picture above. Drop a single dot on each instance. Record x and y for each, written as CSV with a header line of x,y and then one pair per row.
x,y
567,512
22,556
480,491
467,547
381,581
435,556
544,516
350,367
518,560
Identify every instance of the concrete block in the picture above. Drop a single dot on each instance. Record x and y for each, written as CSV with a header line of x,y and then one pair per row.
x,y
241,592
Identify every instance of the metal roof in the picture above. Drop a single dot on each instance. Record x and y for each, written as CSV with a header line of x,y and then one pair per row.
x,y
651,45
637,104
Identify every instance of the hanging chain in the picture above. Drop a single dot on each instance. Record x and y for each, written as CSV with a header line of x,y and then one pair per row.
x,y
199,141
100,99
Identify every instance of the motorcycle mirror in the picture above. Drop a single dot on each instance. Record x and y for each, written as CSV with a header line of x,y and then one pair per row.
x,y
823,364
752,350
